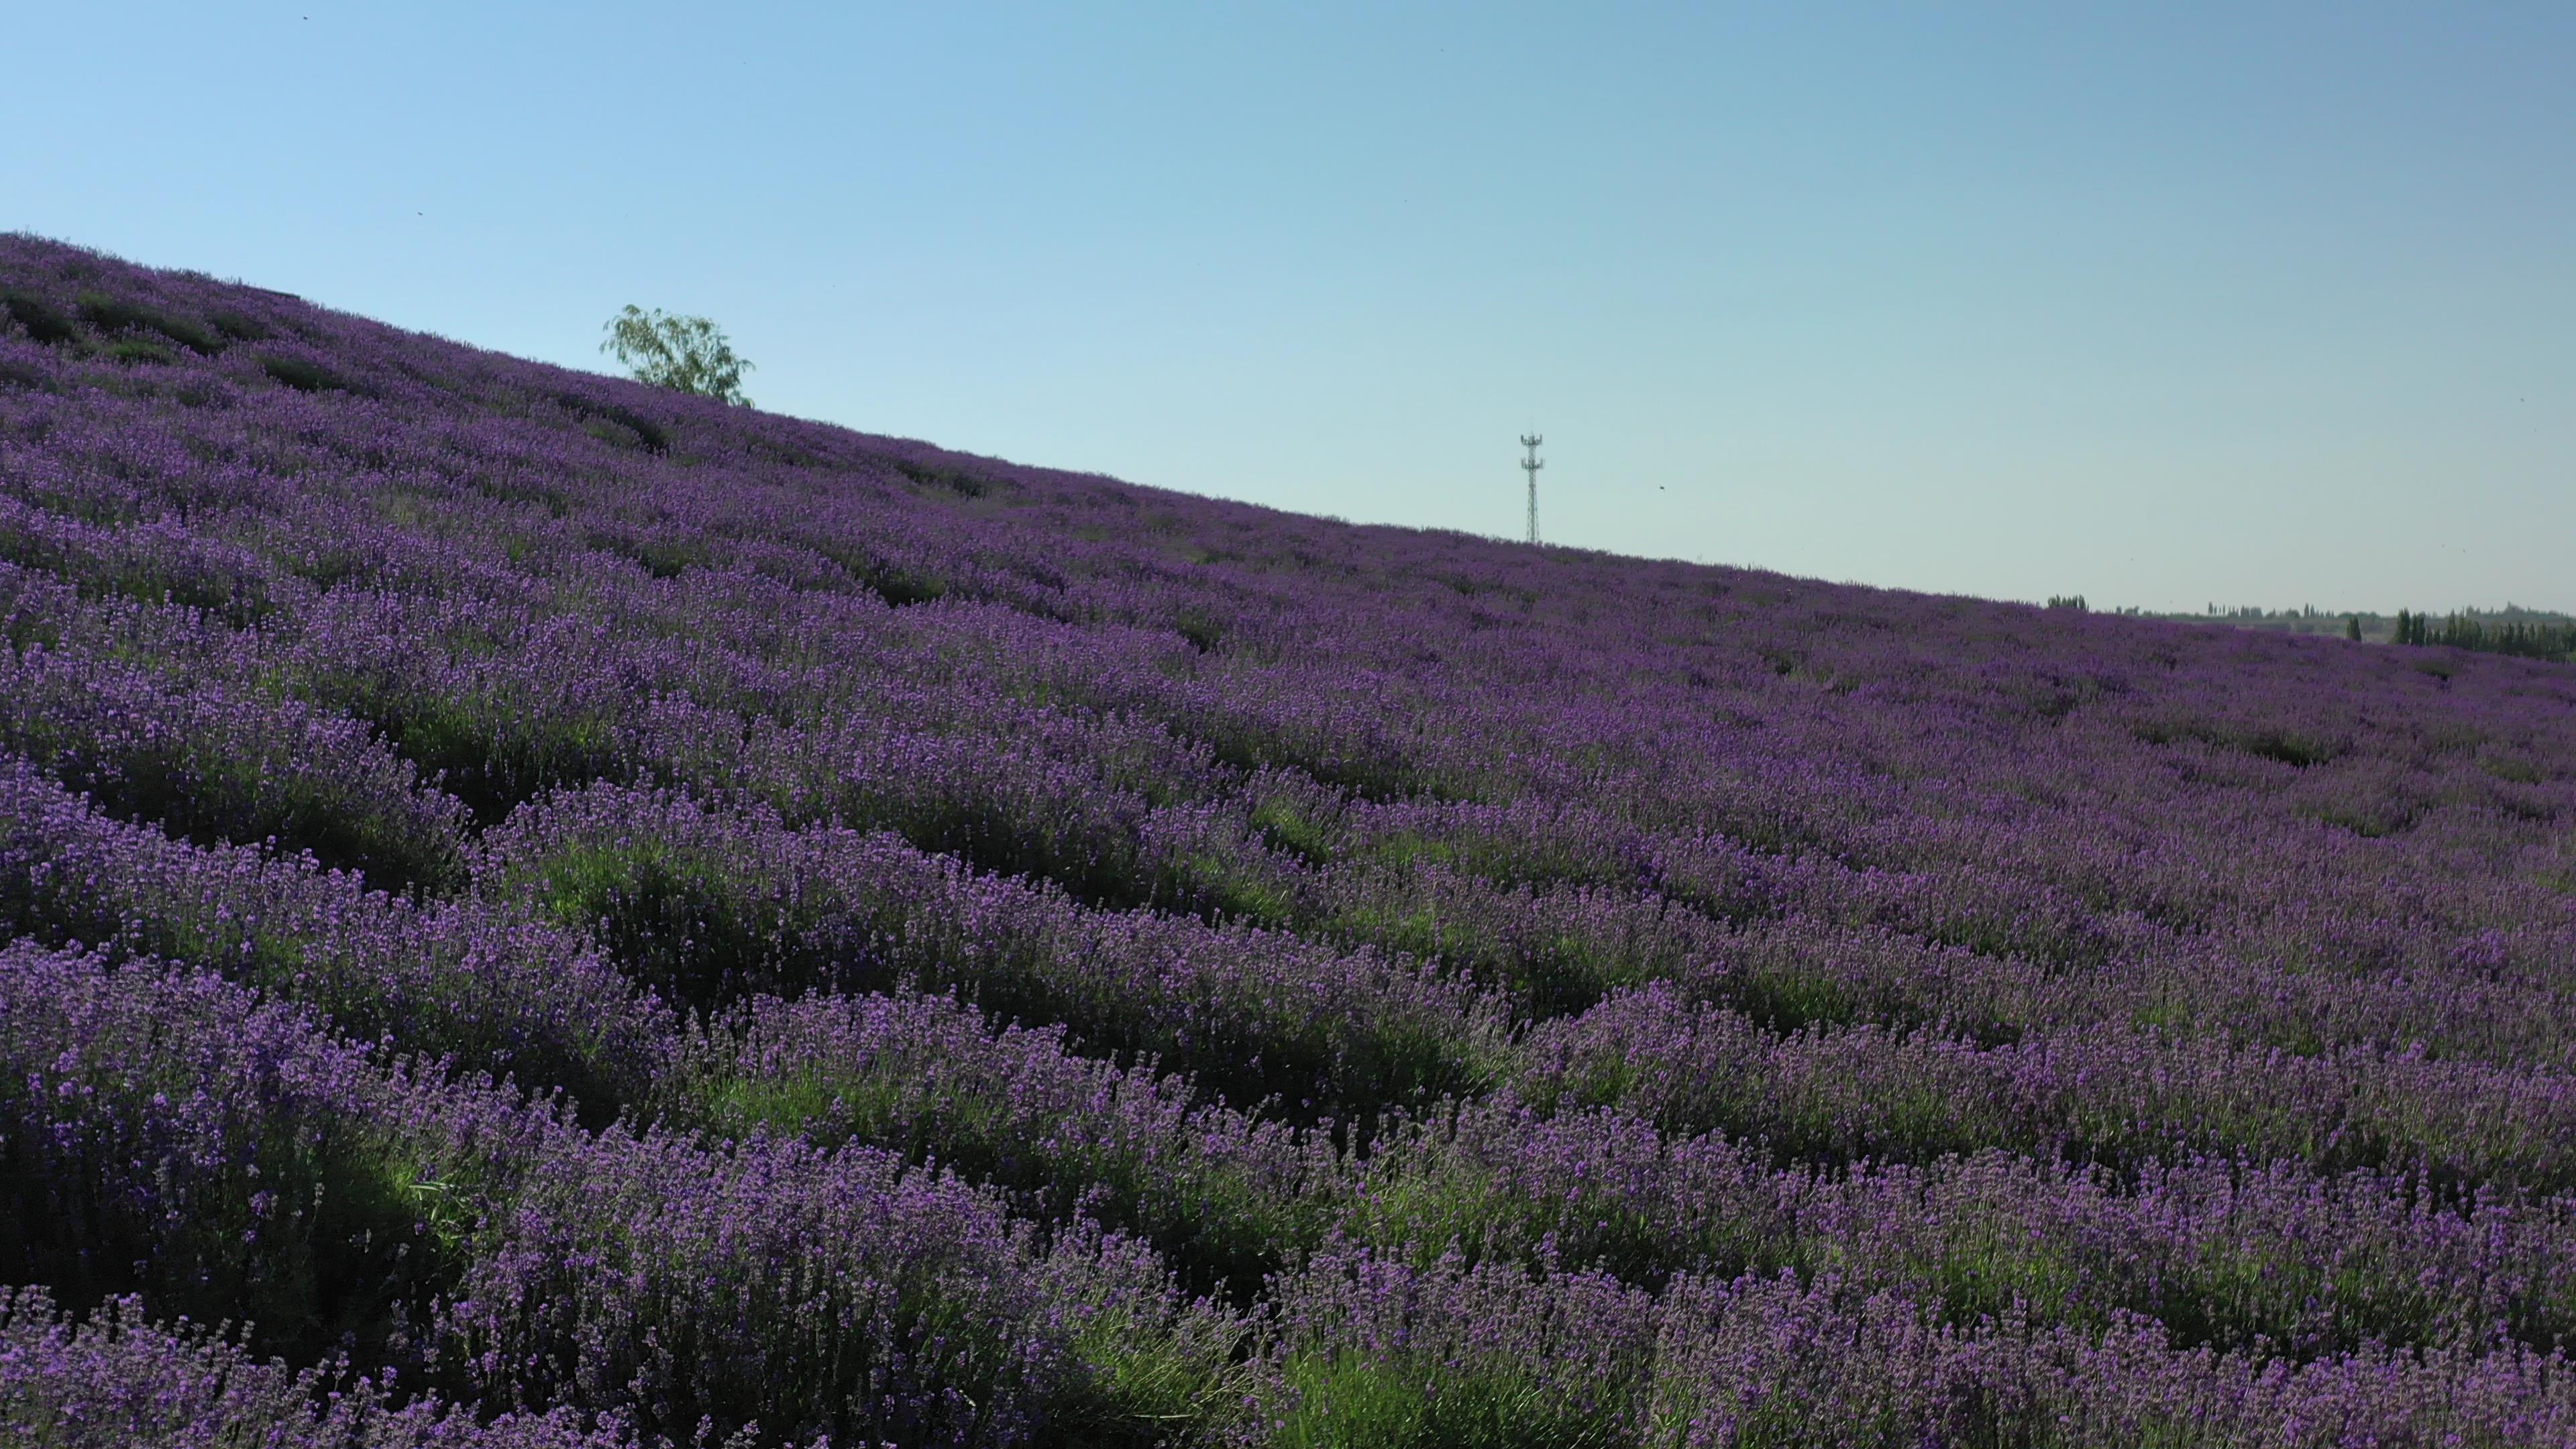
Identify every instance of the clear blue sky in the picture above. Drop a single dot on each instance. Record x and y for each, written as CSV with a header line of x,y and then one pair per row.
x,y
2159,303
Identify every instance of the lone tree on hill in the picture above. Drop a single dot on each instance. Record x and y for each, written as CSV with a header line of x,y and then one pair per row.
x,y
689,354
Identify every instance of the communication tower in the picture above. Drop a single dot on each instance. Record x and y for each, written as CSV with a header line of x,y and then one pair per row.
x,y
1531,465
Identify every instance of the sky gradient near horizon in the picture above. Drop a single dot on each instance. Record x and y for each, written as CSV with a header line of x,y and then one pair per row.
x,y
2163,305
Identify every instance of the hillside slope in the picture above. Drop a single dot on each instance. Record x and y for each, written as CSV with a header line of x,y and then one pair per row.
x,y
1000,954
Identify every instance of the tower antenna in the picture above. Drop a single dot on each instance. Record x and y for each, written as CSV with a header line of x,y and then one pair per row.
x,y
1531,465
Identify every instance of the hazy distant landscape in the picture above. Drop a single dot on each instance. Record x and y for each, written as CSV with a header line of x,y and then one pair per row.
x,y
2373,627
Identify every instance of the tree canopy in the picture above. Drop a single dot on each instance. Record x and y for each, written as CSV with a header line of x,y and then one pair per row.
x,y
689,354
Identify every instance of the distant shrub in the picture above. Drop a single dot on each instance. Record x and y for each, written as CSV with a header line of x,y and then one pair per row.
x,y
2067,601
115,314
961,483
239,326
301,375
613,424
38,317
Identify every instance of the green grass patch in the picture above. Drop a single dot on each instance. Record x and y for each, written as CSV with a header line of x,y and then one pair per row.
x,y
1347,1400
682,925
1288,828
302,374
952,480
40,319
116,314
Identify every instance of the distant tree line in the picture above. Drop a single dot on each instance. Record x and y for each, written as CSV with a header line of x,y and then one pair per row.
x,y
2513,629
2531,639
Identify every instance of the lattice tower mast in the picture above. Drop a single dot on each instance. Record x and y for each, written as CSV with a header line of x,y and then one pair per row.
x,y
1531,465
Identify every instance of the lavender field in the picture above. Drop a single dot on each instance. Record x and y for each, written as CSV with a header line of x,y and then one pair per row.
x,y
544,912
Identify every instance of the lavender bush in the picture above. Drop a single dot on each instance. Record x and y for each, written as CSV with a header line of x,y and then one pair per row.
x,y
120,1381
570,913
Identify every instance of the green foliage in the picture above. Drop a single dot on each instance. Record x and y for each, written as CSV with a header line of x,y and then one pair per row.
x,y
613,424
115,314
1347,1401
1214,1222
2067,601
38,317
135,349
685,354
689,923
301,375
2530,639
957,481
1151,1376
239,326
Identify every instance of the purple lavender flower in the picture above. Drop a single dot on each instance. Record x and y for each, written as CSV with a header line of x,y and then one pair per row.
x,y
952,913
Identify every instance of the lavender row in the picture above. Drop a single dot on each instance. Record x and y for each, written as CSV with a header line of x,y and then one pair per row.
x,y
823,1293
98,536
2224,1253
710,905
2106,1093
2221,1252
1228,1198
225,765
1373,1349
1600,903
1477,1356
169,1133
2112,1094
685,889
118,1378
491,991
